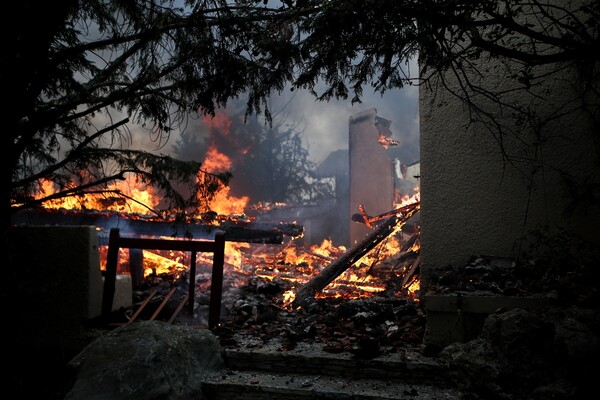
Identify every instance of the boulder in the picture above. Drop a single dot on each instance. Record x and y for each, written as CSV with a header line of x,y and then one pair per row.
x,y
145,360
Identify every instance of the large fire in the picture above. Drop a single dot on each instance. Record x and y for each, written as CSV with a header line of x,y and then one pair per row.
x,y
288,261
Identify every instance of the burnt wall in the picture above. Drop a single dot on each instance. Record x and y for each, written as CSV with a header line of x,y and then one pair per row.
x,y
371,170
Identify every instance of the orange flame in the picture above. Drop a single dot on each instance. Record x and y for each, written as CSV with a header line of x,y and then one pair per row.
x,y
223,203
142,198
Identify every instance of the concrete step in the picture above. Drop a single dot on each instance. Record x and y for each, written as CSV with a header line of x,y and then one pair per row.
x,y
307,372
246,385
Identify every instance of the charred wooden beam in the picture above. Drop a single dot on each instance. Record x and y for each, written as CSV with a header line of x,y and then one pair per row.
x,y
248,232
136,267
364,218
410,242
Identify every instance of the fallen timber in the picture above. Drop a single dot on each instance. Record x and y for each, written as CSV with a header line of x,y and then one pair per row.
x,y
355,253
133,224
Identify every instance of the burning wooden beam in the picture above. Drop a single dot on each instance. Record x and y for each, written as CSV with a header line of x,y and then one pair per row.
x,y
355,253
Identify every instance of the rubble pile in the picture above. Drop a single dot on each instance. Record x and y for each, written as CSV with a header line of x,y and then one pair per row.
x,y
570,283
367,328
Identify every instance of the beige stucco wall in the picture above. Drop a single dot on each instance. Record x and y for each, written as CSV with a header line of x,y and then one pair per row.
x,y
476,202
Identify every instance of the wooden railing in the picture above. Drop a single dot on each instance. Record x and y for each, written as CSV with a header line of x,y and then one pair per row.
x,y
216,246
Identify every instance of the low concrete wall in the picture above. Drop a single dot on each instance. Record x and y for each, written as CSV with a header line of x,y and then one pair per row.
x,y
459,317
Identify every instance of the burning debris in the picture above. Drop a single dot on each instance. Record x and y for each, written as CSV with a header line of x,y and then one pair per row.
x,y
257,314
292,294
366,328
334,269
361,300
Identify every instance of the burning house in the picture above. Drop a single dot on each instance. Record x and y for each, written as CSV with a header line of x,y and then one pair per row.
x,y
279,286
151,247
431,285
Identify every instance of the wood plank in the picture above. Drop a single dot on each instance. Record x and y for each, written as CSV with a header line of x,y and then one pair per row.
x,y
142,306
163,303
184,300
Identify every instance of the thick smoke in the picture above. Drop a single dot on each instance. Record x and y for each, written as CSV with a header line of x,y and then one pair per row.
x,y
324,131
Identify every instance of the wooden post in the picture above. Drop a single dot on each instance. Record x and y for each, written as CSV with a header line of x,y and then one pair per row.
x,y
136,267
216,284
192,285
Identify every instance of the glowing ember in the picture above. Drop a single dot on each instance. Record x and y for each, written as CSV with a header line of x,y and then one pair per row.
x,y
414,288
288,297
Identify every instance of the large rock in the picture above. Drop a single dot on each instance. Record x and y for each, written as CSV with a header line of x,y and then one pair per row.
x,y
146,360
541,354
